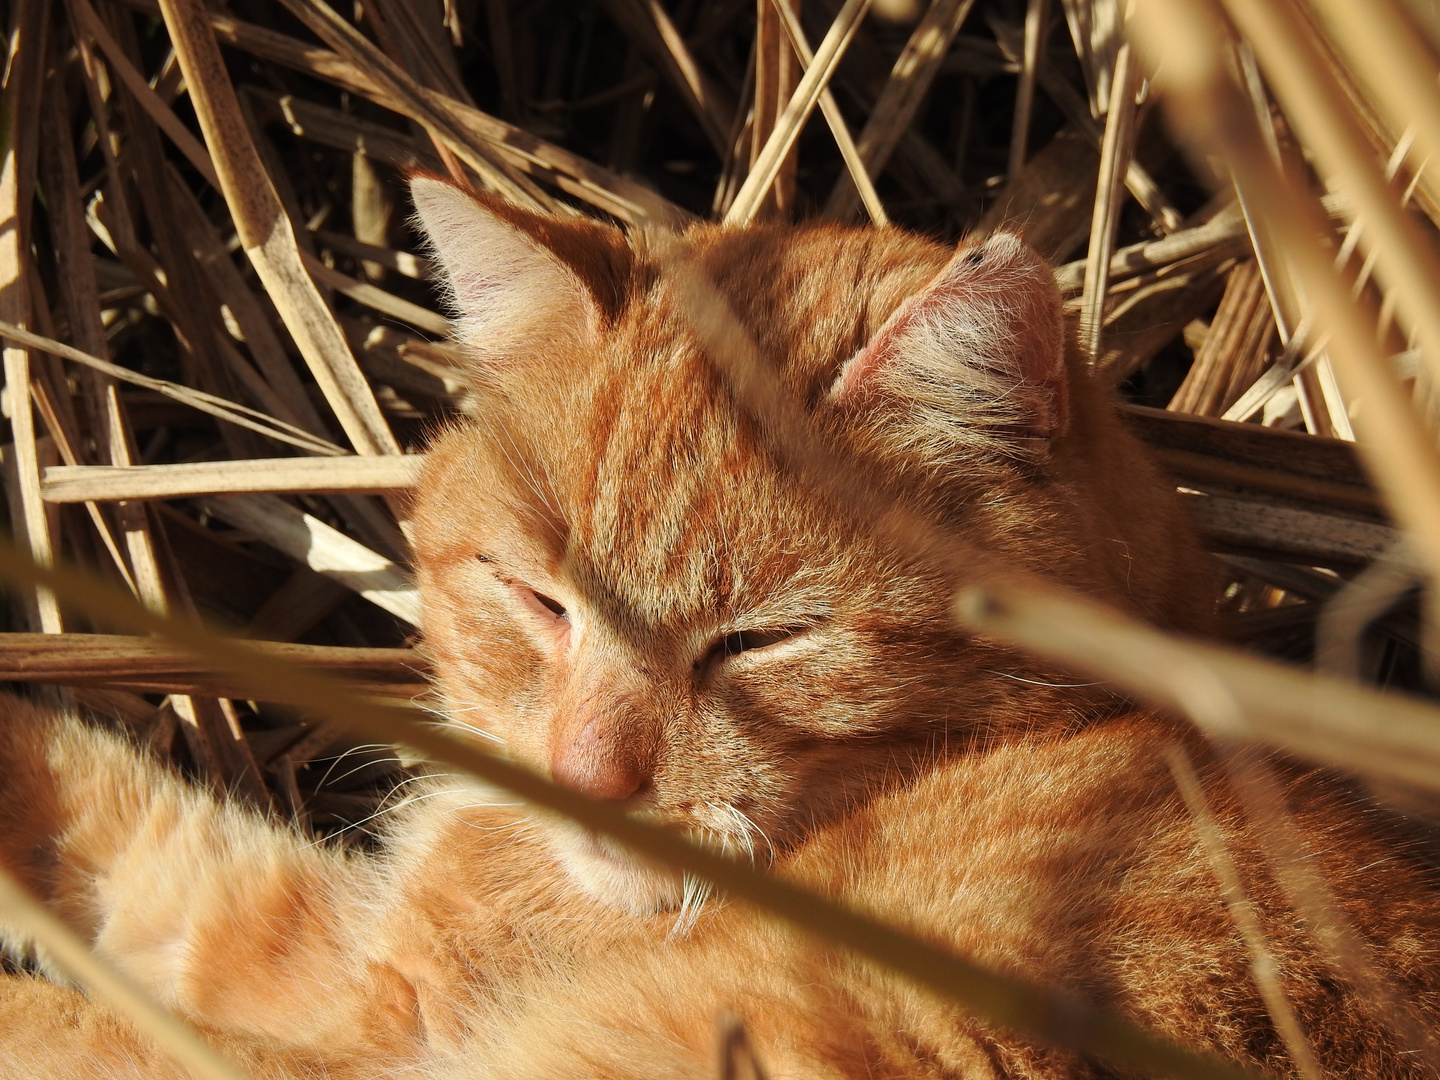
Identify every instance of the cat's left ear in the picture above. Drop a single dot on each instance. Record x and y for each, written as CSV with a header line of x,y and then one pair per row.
x,y
519,283
975,358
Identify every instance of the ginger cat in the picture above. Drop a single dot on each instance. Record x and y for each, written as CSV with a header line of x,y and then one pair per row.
x,y
624,588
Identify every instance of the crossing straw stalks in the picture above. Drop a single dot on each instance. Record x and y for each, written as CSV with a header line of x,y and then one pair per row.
x,y
222,357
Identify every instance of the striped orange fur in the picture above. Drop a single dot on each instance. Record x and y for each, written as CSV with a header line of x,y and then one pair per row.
x,y
631,584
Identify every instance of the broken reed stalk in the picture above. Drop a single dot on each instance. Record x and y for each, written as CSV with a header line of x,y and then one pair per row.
x,y
220,408
1212,115
1115,153
324,549
628,200
1036,12
659,37
267,234
1395,65
1228,694
150,666
165,119
854,164
1263,966
355,475
438,113
1408,266
787,128
17,172
904,92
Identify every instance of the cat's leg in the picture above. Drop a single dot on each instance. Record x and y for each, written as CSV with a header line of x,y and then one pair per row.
x,y
55,1031
230,920
52,1031
738,991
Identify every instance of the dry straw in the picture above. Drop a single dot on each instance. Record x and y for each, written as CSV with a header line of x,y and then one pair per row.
x,y
175,136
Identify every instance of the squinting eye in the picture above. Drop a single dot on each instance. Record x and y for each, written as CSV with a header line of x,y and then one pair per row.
x,y
742,640
546,607
739,641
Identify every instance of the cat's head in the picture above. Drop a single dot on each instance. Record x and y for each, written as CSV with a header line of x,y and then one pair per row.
x,y
625,587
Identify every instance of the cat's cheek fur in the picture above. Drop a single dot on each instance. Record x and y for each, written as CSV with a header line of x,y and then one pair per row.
x,y
472,666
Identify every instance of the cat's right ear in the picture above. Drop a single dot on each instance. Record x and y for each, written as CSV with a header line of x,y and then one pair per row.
x,y
975,360
519,284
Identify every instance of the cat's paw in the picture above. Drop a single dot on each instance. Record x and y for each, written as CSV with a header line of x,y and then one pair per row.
x,y
71,798
39,748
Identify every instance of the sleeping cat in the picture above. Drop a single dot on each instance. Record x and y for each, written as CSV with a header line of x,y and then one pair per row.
x,y
627,585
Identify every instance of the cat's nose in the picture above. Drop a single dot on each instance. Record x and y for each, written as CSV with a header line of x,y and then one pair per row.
x,y
598,763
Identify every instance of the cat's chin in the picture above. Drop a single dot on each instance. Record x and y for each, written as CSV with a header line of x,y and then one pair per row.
x,y
613,876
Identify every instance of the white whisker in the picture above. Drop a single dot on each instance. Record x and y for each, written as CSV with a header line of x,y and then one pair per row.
x,y
1041,682
695,891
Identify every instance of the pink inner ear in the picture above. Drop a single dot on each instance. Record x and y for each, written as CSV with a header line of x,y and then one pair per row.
x,y
513,296
992,307
859,372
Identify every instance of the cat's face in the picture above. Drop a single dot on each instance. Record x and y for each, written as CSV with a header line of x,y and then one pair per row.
x,y
624,588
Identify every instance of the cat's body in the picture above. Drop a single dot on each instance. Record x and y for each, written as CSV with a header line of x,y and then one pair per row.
x,y
625,586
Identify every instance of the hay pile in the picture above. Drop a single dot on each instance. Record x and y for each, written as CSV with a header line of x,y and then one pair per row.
x,y
222,353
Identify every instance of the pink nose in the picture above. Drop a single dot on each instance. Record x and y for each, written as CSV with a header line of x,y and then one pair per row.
x,y
597,763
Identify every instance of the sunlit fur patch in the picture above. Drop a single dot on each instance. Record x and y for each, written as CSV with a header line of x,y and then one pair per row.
x,y
609,873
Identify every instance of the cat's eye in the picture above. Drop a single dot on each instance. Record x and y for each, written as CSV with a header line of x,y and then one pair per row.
x,y
547,615
554,606
745,640
547,608
742,641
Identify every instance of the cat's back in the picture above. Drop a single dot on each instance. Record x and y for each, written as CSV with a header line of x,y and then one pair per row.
x,y
1073,862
